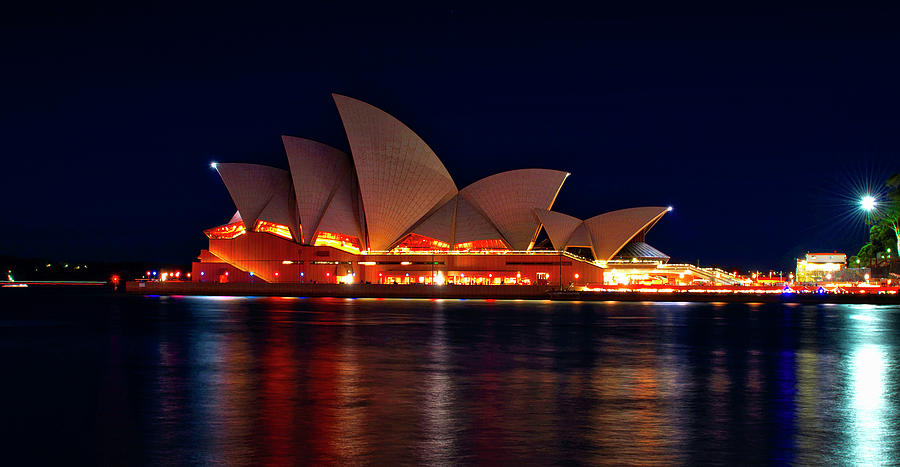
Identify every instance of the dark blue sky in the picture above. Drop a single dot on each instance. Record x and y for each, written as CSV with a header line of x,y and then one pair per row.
x,y
752,124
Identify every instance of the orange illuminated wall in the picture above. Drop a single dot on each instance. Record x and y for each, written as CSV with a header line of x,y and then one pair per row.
x,y
270,258
346,243
276,229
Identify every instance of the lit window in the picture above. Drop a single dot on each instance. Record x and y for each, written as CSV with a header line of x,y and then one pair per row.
x,y
226,232
494,244
416,242
346,243
275,229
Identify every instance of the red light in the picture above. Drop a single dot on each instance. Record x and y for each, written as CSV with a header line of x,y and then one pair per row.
x,y
327,274
148,274
576,276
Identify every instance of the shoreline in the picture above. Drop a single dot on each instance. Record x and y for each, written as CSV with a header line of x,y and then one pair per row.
x,y
512,292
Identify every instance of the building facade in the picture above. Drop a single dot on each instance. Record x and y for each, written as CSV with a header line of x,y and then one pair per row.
x,y
390,213
820,267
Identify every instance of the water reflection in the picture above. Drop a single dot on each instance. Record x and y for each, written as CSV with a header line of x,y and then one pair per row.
x,y
868,371
439,444
278,381
331,381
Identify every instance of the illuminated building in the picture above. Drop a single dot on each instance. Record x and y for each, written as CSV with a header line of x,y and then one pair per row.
x,y
390,212
820,267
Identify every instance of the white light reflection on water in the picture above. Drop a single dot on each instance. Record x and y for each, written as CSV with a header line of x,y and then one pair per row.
x,y
439,447
868,365
350,441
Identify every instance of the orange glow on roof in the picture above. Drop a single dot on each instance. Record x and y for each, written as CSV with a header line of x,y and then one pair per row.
x,y
494,244
275,229
346,243
415,242
226,232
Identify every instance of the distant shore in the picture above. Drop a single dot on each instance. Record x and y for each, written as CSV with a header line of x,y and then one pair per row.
x,y
510,292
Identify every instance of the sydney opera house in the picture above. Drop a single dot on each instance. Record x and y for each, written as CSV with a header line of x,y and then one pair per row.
x,y
390,213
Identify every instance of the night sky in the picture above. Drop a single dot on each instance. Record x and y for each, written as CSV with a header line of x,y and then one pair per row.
x,y
754,125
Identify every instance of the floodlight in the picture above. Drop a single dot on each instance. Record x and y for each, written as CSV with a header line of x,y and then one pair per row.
x,y
867,203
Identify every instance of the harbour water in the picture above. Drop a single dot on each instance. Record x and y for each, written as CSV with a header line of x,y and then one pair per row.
x,y
93,378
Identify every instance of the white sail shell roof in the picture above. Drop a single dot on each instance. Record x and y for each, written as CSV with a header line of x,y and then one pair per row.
x,y
612,230
580,237
253,187
281,209
439,225
400,178
317,170
508,199
341,215
471,225
394,184
559,226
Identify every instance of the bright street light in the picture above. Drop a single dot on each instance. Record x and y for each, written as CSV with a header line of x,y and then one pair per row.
x,y
867,203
